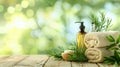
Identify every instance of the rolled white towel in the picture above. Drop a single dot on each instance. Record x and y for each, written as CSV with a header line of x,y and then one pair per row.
x,y
98,39
97,54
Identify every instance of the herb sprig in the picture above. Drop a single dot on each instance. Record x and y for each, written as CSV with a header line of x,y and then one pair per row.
x,y
56,52
115,46
78,55
101,22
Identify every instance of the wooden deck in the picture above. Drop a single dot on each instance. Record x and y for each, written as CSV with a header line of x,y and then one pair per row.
x,y
42,61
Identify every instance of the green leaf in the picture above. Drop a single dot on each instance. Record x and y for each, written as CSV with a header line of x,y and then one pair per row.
x,y
114,48
119,45
111,46
118,39
110,38
111,59
108,62
117,56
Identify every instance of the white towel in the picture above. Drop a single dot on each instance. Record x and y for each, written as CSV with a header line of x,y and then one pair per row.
x,y
97,54
98,39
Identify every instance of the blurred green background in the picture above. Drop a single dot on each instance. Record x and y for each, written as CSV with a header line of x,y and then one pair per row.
x,y
35,26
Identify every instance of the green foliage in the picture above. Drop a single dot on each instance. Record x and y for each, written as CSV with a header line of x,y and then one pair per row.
x,y
56,52
78,55
101,22
110,38
118,40
115,42
115,59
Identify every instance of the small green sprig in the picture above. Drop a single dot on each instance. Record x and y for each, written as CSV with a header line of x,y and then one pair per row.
x,y
56,52
101,22
78,55
115,43
115,46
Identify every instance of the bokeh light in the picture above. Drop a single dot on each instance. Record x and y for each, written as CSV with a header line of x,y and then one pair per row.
x,y
35,26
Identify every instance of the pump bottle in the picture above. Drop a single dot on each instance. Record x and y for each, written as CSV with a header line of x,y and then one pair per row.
x,y
80,36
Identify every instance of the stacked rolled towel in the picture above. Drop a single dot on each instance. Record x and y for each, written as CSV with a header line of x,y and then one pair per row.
x,y
97,54
96,43
98,39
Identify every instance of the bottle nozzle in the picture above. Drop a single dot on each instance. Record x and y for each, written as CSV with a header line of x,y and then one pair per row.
x,y
82,27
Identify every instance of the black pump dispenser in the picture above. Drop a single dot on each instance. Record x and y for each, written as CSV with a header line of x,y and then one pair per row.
x,y
81,27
